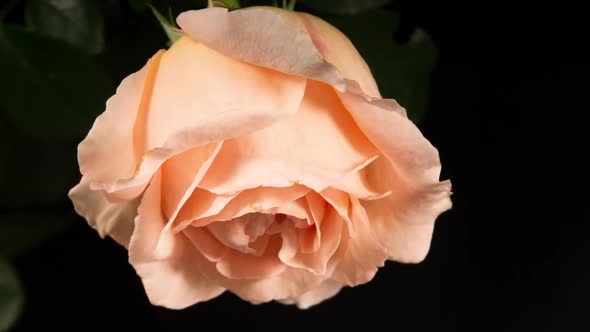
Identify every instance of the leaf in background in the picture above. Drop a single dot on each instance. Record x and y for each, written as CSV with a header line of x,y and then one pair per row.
x,y
11,295
78,22
167,24
349,7
21,232
47,88
229,4
402,71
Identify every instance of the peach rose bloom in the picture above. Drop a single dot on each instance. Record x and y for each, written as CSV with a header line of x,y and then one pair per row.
x,y
257,156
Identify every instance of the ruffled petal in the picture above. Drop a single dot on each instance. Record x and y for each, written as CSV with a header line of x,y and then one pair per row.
x,y
403,222
108,152
302,149
112,219
170,274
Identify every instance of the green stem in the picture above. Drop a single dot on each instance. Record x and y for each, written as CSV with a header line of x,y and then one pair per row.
x,y
291,5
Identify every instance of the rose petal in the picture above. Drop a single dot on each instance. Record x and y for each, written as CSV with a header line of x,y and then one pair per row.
x,y
364,255
237,265
403,222
171,275
317,262
339,51
259,98
288,284
206,243
358,185
248,201
182,173
278,45
415,161
324,291
201,204
301,149
113,131
112,219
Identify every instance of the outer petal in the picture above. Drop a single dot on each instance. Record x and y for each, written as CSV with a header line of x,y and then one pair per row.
x,y
302,149
403,222
112,219
176,121
171,275
113,131
261,36
290,42
324,291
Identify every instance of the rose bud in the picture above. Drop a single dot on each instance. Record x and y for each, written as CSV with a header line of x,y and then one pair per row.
x,y
257,156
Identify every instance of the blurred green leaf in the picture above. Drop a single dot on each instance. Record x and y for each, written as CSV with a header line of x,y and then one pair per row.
x,y
11,295
229,4
167,24
21,232
78,22
47,88
402,71
349,7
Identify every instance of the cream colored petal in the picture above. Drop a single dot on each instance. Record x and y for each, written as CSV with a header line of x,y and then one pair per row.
x,y
225,107
317,146
109,219
171,276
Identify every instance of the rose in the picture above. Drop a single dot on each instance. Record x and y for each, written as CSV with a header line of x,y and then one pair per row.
x,y
256,155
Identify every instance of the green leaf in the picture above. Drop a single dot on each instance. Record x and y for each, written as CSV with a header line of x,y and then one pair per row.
x,y
402,71
78,22
229,4
167,24
48,89
20,232
349,7
11,295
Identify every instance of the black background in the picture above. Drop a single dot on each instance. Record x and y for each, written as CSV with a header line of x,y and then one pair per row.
x,y
506,112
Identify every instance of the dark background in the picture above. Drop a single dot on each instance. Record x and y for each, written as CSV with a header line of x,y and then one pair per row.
x,y
506,113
